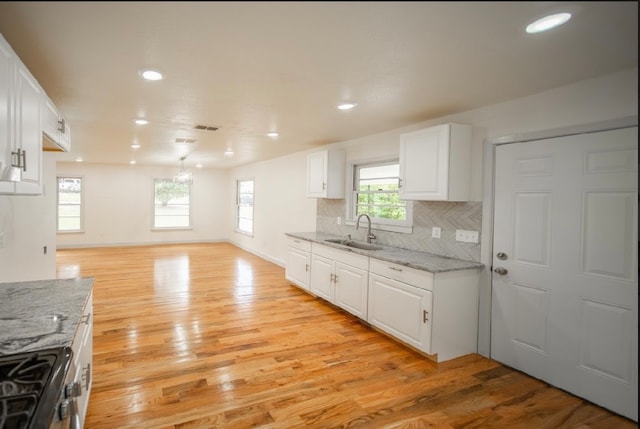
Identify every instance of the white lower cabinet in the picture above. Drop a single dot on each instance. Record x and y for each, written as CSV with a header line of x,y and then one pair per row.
x,y
83,358
401,310
298,266
434,313
341,278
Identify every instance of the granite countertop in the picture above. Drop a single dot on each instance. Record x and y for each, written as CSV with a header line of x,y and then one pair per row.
x,y
41,314
410,258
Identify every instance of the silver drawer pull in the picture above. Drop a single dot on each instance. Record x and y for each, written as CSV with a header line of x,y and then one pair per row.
x,y
395,269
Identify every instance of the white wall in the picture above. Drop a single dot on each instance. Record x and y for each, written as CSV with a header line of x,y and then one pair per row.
x,y
280,206
118,205
27,224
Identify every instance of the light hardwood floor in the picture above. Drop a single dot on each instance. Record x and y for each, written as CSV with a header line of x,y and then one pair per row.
x,y
210,336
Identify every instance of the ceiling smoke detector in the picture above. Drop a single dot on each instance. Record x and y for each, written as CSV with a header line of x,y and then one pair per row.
x,y
206,128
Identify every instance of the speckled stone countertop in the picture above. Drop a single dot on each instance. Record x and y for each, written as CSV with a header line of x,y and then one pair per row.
x,y
410,258
41,314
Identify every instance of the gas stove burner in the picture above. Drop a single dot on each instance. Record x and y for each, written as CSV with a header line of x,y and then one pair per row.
x,y
8,388
30,384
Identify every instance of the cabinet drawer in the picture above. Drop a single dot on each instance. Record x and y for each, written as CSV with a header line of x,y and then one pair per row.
x,y
401,273
299,244
346,257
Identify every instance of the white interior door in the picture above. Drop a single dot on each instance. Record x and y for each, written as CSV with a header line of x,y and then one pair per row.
x,y
565,268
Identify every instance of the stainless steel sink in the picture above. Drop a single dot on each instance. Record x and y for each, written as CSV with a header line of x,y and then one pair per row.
x,y
354,244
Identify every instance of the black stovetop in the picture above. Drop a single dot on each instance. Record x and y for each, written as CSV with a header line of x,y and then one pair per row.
x,y
30,387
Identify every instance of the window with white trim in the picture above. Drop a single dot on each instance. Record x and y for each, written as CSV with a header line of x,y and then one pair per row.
x,y
244,206
375,193
70,204
171,204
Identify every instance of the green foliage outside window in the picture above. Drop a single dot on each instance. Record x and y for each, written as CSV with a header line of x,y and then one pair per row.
x,y
167,190
377,192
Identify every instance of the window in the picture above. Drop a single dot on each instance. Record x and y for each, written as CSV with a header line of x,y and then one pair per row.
x,y
375,193
69,204
244,206
171,204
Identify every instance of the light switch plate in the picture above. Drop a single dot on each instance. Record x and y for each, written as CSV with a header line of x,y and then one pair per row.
x,y
467,236
436,232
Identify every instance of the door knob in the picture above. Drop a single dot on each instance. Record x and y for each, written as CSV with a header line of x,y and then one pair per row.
x,y
502,256
501,271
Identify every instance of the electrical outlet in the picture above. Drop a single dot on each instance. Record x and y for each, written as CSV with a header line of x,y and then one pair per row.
x,y
339,221
467,236
436,232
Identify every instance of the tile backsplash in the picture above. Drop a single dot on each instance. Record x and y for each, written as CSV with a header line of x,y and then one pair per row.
x,y
449,216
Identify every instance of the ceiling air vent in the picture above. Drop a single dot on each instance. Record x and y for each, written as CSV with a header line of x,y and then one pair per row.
x,y
206,128
179,140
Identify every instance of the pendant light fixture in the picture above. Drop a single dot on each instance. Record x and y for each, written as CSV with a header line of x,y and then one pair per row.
x,y
183,175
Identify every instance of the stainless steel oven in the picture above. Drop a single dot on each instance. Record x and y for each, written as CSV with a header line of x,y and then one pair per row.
x,y
37,390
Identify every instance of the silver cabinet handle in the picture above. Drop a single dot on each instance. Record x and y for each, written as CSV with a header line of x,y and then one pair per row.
x,y
87,376
425,316
395,269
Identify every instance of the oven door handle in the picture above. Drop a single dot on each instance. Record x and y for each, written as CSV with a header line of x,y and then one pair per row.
x,y
74,421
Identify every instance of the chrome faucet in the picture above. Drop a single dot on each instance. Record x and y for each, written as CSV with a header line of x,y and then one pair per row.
x,y
370,235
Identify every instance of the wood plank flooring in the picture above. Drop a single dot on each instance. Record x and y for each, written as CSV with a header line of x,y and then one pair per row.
x,y
210,336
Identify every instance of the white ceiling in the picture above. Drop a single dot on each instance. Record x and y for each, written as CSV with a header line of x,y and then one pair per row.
x,y
253,67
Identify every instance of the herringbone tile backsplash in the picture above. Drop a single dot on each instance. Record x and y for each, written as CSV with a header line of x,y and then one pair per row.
x,y
426,214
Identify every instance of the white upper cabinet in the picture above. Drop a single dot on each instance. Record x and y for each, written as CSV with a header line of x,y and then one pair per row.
x,y
20,123
325,174
29,97
7,70
435,163
55,128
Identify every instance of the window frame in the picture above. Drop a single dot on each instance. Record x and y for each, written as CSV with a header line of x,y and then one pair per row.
x,y
80,230
153,209
238,205
405,226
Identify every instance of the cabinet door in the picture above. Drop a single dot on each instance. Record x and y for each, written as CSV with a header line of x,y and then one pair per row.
x,y
298,265
424,164
351,289
401,310
325,174
55,128
7,69
83,358
317,174
322,277
50,118
29,130
435,163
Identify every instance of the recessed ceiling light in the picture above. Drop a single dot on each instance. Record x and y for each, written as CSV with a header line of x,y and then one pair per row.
x,y
135,146
141,121
132,162
150,74
198,165
79,159
273,134
228,152
346,106
548,22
